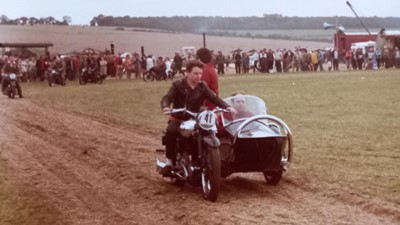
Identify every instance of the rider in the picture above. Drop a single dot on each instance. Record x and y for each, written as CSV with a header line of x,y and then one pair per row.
x,y
91,67
10,67
188,93
161,68
59,66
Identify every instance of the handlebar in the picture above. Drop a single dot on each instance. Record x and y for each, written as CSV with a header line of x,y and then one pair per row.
x,y
193,114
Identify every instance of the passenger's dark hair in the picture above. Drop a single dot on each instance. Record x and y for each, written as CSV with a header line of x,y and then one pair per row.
x,y
204,54
193,63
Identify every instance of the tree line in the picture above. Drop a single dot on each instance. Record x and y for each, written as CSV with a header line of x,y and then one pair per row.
x,y
199,24
4,20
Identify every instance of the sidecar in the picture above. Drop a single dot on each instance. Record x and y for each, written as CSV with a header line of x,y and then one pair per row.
x,y
254,141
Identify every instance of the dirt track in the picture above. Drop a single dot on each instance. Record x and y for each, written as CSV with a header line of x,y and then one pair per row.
x,y
72,169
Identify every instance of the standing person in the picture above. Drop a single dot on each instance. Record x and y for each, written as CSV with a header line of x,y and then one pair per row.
x,y
354,59
314,59
278,60
238,61
270,60
263,61
348,56
76,63
128,65
360,58
32,69
178,62
245,62
397,56
188,93
168,65
149,62
297,60
103,66
209,76
254,60
321,60
378,57
220,59
335,57
23,64
136,65
40,68
118,65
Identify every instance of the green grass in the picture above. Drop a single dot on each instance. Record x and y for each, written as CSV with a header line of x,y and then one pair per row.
x,y
345,124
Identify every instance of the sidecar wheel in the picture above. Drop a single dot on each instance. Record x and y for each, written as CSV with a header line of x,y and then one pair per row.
x,y
211,175
273,177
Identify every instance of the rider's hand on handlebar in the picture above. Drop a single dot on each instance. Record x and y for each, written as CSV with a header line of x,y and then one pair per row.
x,y
166,110
232,110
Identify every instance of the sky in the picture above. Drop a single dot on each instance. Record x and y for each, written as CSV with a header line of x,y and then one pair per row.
x,y
82,11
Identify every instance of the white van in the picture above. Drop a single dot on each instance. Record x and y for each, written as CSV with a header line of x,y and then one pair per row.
x,y
363,45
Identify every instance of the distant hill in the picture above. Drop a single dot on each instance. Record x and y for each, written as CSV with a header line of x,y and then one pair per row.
x,y
199,24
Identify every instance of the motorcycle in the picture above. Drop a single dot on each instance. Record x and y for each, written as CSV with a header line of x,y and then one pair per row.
x,y
56,77
197,160
11,87
255,141
152,75
90,75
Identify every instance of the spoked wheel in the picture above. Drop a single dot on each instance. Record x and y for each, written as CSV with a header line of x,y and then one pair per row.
x,y
273,177
11,93
148,76
211,174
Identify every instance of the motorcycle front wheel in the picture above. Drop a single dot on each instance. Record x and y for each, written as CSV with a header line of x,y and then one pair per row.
x,y
211,174
11,93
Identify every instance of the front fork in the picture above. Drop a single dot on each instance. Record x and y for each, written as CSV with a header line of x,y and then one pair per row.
x,y
209,139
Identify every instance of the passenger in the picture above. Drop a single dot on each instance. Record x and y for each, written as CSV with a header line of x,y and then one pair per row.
x,y
238,102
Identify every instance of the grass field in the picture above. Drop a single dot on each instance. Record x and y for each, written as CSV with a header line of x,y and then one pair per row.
x,y
345,124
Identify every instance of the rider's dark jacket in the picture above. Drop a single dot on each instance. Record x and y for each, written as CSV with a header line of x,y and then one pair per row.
x,y
182,96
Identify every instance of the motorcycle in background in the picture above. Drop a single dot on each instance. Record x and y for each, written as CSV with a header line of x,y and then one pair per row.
x,y
11,87
90,75
56,77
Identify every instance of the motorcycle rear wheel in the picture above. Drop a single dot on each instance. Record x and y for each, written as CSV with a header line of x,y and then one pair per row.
x,y
211,174
148,76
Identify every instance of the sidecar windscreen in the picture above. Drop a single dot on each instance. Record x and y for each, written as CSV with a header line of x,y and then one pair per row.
x,y
246,105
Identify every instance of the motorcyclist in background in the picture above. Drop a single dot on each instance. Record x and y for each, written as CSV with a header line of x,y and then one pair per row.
x,y
91,67
59,66
161,68
10,66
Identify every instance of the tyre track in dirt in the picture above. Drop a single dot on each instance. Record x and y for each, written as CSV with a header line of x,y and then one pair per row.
x,y
94,171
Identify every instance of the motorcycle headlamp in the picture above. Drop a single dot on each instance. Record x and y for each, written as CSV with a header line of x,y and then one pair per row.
x,y
207,120
13,76
186,128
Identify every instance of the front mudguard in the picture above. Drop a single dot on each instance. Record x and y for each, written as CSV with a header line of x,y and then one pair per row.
x,y
212,140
